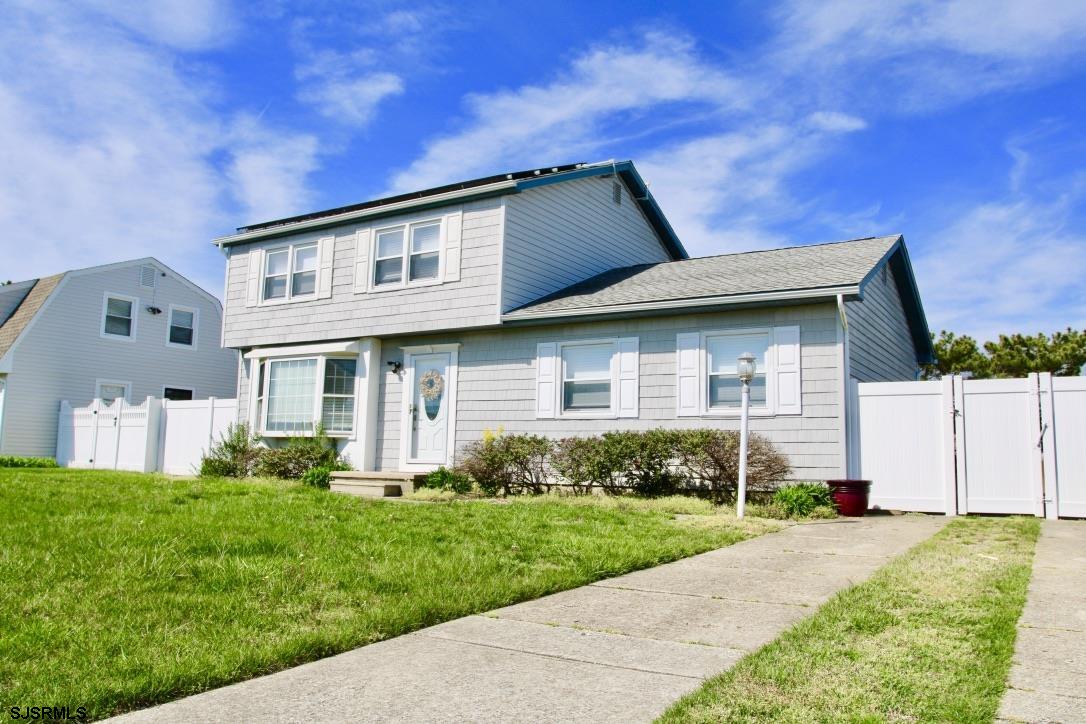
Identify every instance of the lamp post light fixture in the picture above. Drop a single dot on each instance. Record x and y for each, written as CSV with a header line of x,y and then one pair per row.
x,y
746,366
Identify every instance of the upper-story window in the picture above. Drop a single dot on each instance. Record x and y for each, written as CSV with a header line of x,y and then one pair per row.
x,y
407,254
182,327
119,316
290,272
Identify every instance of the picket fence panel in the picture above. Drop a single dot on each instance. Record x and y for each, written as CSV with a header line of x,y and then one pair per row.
x,y
155,435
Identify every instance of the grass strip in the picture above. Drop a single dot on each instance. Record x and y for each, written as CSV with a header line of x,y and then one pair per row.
x,y
121,590
928,638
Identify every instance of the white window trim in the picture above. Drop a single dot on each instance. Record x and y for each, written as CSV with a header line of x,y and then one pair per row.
x,y
318,396
119,383
106,296
290,297
405,264
178,387
770,371
611,413
195,327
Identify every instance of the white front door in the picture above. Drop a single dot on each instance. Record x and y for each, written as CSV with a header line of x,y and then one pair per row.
x,y
428,413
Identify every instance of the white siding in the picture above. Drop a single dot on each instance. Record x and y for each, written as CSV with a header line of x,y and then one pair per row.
x,y
62,354
497,383
880,343
560,234
470,302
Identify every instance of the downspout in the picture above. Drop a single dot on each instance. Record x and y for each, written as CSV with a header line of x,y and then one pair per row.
x,y
843,398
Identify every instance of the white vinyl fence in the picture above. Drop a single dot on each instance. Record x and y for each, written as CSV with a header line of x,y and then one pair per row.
x,y
961,446
155,435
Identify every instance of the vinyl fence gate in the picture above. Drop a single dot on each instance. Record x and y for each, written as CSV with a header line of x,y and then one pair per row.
x,y
958,446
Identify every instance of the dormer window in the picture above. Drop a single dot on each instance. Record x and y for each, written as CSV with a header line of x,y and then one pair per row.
x,y
411,252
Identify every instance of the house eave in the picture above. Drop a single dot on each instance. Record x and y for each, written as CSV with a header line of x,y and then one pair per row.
x,y
790,296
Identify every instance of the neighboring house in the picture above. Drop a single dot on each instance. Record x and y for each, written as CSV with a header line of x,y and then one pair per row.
x,y
132,329
559,302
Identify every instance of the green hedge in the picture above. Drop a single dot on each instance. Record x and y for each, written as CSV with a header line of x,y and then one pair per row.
x,y
14,461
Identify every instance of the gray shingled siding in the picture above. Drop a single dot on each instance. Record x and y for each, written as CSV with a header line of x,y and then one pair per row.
x,y
880,343
470,302
560,234
497,383
801,267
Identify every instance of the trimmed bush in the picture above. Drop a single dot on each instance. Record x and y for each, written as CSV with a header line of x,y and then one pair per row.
x,y
14,461
712,457
299,456
585,463
802,499
235,455
453,481
321,476
509,464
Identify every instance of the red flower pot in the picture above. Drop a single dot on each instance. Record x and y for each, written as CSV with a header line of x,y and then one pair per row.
x,y
850,496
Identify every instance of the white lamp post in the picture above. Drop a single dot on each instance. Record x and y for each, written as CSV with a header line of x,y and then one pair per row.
x,y
746,365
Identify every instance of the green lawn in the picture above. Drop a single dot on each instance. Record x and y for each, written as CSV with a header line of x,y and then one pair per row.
x,y
928,638
118,590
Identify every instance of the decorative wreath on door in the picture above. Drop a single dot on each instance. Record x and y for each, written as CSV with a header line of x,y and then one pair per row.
x,y
431,385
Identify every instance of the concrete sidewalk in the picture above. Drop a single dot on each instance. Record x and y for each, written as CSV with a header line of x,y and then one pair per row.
x,y
619,650
1048,676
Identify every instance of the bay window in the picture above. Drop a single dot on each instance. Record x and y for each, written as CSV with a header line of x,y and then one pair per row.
x,y
294,395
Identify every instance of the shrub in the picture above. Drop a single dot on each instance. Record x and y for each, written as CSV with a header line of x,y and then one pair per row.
x,y
712,457
14,461
321,476
620,462
509,464
802,499
585,463
453,481
299,456
235,455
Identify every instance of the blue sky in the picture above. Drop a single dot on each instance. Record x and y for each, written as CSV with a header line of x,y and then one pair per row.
x,y
134,129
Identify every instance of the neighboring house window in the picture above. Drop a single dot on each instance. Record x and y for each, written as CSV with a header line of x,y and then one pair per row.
x,y
707,382
586,377
108,392
118,317
290,272
177,393
411,252
292,401
337,406
596,378
182,327
722,353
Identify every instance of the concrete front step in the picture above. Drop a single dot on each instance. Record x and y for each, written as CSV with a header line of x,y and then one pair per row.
x,y
373,484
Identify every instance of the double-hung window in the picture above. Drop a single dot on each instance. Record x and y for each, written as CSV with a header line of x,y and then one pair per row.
x,y
294,395
586,377
722,354
119,317
407,254
290,272
590,378
182,327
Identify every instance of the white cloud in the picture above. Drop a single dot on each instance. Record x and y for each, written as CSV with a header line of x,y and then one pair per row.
x,y
182,24
1006,266
113,153
836,122
538,124
352,100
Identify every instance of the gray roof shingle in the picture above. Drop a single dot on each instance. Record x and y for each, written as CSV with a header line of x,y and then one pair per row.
x,y
838,264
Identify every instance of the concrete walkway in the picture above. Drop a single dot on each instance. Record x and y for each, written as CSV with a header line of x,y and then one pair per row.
x,y
619,650
1048,676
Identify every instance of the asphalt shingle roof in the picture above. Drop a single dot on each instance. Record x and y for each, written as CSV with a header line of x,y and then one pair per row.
x,y
842,263
11,296
25,311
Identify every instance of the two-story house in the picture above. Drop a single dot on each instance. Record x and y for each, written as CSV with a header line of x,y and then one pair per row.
x,y
130,330
556,301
